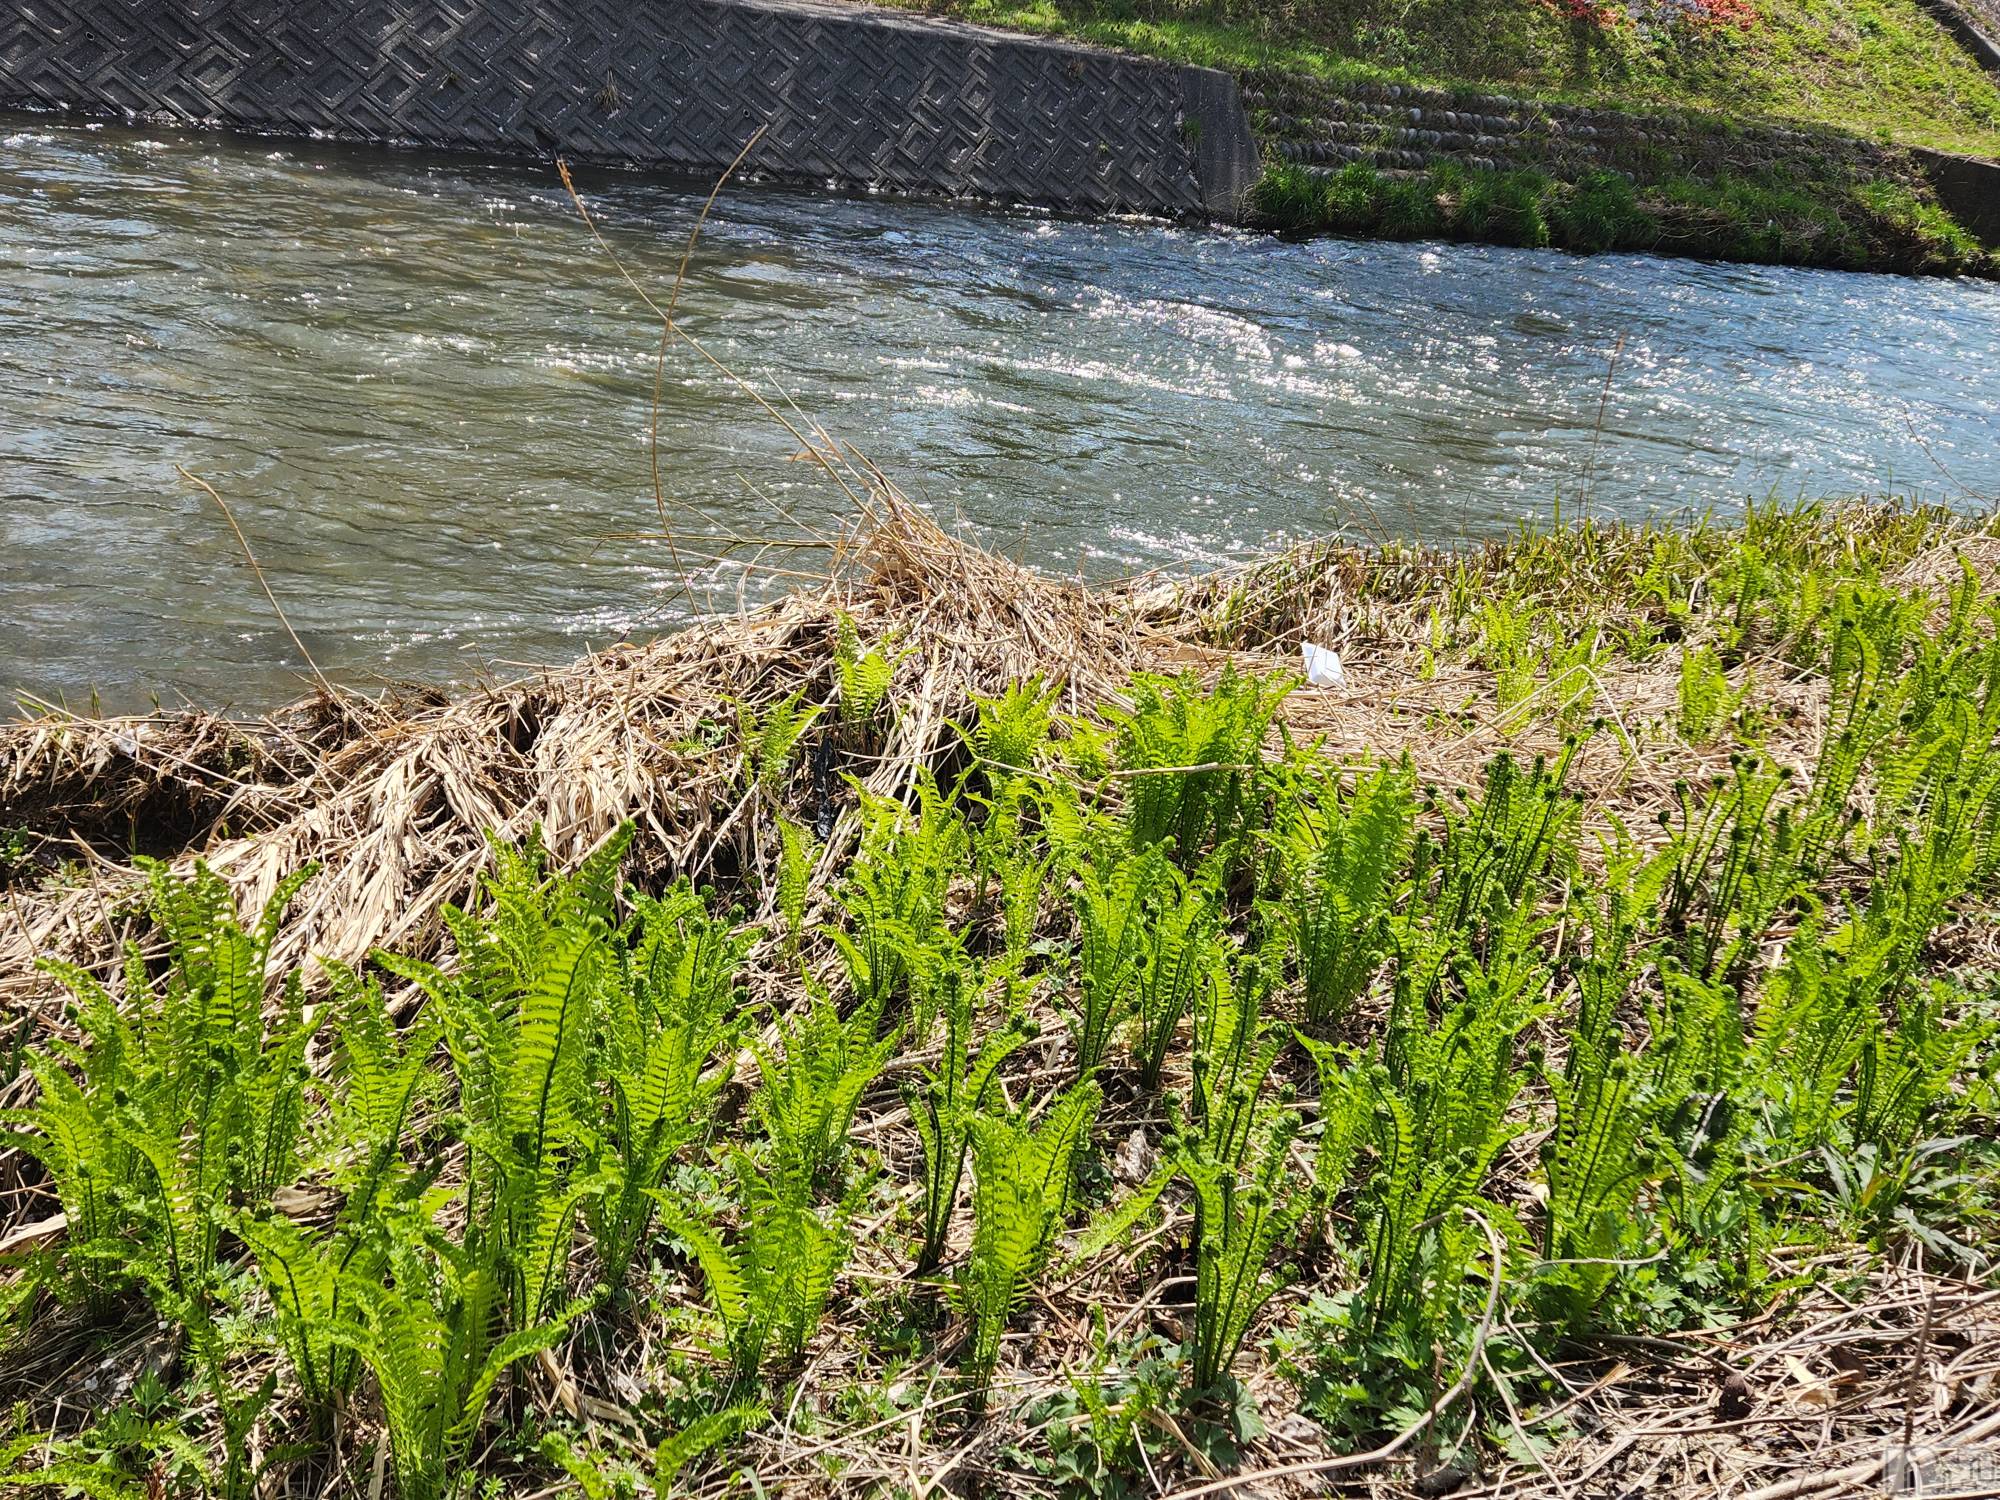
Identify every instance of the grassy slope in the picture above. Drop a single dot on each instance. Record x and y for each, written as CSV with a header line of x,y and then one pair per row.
x,y
1881,67
1877,226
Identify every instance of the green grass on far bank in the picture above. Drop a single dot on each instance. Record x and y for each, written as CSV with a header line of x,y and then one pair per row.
x,y
1875,226
1881,68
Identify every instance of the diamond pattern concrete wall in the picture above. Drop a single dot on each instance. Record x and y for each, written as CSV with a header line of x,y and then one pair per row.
x,y
855,97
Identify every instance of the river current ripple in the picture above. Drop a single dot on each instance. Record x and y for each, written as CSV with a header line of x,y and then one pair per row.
x,y
426,396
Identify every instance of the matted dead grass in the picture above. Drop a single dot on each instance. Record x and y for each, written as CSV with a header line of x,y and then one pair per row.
x,y
393,797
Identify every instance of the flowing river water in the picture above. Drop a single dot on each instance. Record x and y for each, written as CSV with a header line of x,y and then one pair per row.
x,y
426,396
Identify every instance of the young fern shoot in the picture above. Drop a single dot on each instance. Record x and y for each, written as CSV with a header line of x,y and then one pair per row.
x,y
945,1103
1339,860
1180,958
894,895
813,1083
1239,1223
519,1012
670,1024
1113,899
426,1331
1022,1177
183,1104
1194,759
769,1288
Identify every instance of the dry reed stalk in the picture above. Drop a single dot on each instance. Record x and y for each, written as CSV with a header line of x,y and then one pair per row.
x,y
394,801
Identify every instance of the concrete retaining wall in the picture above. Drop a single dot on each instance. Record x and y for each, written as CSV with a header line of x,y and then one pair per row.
x,y
1397,127
847,96
853,97
1969,188
1974,28
1323,127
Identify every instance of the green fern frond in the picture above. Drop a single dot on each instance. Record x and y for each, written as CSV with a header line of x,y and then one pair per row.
x,y
813,1083
944,1103
1338,859
771,739
1239,1222
707,1432
1021,1185
864,676
1113,899
1193,759
181,1104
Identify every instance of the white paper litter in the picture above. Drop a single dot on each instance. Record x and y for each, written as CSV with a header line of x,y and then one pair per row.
x,y
1323,668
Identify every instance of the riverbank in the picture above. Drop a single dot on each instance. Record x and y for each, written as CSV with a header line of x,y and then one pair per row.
x,y
1795,133
1884,70
953,1183
1875,225
1111,397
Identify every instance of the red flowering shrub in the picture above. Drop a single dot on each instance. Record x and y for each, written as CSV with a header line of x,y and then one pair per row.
x,y
1702,15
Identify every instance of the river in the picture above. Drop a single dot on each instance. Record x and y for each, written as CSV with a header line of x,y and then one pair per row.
x,y
426,396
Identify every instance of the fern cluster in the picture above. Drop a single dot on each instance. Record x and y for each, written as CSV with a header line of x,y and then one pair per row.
x,y
944,1105
894,896
181,1104
1340,856
1193,758
770,1287
1022,1174
1424,1044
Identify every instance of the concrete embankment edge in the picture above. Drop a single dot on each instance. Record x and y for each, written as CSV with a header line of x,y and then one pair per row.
x,y
1323,126
1968,30
851,97
1969,187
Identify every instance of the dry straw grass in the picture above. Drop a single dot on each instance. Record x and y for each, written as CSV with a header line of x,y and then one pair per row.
x,y
393,798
